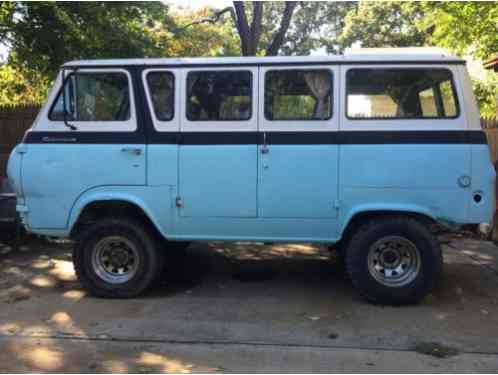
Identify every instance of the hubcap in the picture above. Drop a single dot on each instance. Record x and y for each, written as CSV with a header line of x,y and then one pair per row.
x,y
115,259
394,261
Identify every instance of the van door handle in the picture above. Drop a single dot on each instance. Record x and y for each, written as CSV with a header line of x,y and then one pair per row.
x,y
264,147
132,150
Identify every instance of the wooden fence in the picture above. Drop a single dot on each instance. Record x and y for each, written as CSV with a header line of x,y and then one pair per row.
x,y
490,126
14,121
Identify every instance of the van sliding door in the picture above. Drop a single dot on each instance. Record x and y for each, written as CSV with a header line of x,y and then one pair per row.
x,y
298,151
218,152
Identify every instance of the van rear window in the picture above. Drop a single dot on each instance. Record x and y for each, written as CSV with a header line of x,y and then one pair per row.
x,y
401,94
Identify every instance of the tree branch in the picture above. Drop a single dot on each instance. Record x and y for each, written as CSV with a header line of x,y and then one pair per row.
x,y
279,37
255,32
242,26
215,18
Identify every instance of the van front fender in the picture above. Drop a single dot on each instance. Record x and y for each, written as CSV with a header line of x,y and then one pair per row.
x,y
115,193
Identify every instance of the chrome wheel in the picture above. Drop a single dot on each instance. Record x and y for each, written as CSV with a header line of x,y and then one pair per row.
x,y
115,259
394,261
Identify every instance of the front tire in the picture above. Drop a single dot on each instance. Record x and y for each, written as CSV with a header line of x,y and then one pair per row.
x,y
116,258
393,260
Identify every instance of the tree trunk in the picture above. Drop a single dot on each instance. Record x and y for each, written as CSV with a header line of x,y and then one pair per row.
x,y
242,27
257,17
279,37
250,36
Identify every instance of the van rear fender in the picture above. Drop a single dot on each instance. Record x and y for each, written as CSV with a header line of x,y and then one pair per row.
x,y
360,213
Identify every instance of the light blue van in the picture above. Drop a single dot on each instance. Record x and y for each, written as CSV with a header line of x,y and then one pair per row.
x,y
135,158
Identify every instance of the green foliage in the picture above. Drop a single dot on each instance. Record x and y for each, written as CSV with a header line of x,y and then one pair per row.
x,y
463,27
314,25
43,35
467,28
317,25
21,86
487,95
176,39
383,24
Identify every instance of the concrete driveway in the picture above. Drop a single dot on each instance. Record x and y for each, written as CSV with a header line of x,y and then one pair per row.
x,y
246,307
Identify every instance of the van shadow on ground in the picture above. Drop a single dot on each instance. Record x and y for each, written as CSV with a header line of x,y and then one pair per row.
x,y
250,263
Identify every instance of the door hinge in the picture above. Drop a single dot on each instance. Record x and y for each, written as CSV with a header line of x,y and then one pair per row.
x,y
179,202
337,204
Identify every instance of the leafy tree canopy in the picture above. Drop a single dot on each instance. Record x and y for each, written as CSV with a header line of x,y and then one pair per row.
x,y
463,27
383,24
17,86
43,35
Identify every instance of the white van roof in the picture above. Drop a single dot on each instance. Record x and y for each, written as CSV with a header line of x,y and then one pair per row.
x,y
360,55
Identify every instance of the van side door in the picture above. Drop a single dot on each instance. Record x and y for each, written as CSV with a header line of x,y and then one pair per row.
x,y
218,151
298,150
105,148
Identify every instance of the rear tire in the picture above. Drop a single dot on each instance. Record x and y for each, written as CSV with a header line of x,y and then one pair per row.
x,y
116,258
393,260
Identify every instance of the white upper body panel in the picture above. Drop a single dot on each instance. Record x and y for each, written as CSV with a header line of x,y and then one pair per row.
x,y
338,65
364,55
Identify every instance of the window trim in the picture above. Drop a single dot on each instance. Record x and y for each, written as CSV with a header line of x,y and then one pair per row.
x,y
88,72
331,74
148,93
251,90
453,87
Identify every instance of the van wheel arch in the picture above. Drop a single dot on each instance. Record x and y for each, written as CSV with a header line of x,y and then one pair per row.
x,y
361,218
98,210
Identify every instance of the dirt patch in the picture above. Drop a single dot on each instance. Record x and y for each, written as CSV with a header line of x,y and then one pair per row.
x,y
435,349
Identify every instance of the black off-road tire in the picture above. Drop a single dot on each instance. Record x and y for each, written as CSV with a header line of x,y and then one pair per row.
x,y
140,235
366,235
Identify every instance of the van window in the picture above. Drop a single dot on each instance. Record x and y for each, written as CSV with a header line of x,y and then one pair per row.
x,y
298,94
400,93
94,97
219,95
162,91
448,97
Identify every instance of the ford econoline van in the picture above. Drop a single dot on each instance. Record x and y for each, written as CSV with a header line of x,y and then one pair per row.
x,y
135,158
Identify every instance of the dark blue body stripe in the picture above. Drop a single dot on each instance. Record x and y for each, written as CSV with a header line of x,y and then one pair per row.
x,y
277,138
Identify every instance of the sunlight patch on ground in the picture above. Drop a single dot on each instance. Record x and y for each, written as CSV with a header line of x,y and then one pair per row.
x,y
61,317
115,366
38,357
41,264
74,294
163,364
43,281
63,270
